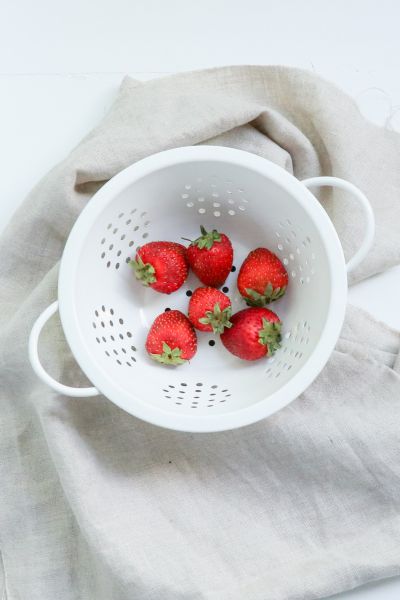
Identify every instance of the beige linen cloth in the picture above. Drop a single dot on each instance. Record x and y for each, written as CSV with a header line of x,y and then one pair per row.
x,y
96,504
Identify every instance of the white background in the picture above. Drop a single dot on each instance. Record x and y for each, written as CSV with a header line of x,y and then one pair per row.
x,y
61,63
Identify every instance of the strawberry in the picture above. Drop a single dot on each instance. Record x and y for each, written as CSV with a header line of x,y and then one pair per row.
x,y
262,278
210,310
161,265
255,333
211,257
171,339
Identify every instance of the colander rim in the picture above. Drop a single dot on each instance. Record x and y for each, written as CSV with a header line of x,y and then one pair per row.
x,y
242,416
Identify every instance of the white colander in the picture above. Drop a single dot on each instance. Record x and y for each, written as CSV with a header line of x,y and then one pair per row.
x,y
106,313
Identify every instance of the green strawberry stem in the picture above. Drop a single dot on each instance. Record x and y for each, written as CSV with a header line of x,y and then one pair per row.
x,y
217,318
169,356
270,295
207,239
144,272
270,336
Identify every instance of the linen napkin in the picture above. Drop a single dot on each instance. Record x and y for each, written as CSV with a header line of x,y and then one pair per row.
x,y
97,504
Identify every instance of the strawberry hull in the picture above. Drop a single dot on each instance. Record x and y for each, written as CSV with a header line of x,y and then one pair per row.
x,y
255,334
262,278
161,266
211,257
172,339
209,310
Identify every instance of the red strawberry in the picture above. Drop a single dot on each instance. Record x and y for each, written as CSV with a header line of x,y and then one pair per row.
x,y
262,278
210,310
171,339
255,332
211,257
161,265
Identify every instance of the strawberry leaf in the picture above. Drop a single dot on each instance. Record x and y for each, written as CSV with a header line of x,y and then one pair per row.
x,y
270,295
144,272
254,298
207,239
270,336
169,356
217,318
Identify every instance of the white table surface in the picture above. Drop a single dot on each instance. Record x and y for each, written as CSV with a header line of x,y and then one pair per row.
x,y
61,63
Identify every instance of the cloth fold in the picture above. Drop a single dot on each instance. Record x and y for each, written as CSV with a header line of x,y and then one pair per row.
x,y
97,504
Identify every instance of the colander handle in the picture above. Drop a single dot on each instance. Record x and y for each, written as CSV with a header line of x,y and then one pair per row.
x,y
37,365
368,213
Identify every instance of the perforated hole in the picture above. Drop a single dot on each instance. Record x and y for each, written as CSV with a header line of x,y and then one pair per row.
x,y
293,344
116,343
115,249
199,395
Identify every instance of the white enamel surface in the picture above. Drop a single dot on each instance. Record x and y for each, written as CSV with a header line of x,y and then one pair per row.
x,y
106,314
369,225
37,365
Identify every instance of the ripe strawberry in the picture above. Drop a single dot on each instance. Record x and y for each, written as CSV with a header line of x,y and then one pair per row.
x,y
255,332
171,339
210,310
161,265
262,278
211,257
